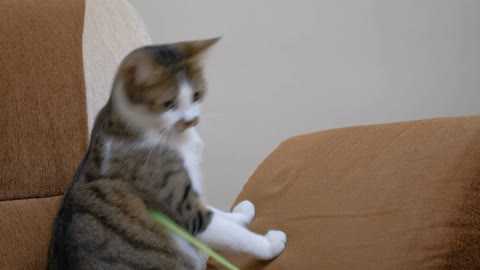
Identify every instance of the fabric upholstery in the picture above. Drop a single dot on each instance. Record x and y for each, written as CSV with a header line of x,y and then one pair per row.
x,y
392,196
43,107
57,60
25,228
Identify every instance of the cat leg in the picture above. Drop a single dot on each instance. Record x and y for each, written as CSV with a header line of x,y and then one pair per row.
x,y
243,213
224,234
245,208
174,196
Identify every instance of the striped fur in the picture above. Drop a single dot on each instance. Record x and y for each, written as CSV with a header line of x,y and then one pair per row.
x,y
102,222
144,153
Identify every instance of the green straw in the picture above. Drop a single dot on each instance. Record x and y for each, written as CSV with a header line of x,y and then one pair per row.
x,y
172,226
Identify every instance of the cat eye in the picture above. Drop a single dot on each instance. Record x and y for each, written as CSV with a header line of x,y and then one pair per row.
x,y
169,104
196,96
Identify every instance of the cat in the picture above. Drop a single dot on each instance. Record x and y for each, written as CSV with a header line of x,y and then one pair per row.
x,y
144,153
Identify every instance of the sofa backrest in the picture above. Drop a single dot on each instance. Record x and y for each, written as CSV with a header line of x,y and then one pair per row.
x,y
57,61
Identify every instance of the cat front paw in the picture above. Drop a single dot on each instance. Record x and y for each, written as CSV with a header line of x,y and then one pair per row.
x,y
246,212
277,240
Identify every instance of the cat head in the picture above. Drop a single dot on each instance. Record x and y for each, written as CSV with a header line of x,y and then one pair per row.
x,y
161,88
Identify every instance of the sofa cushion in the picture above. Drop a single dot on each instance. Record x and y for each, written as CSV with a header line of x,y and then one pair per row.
x,y
57,62
42,109
392,196
25,227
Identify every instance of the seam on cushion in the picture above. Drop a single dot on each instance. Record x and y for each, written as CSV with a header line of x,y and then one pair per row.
x,y
31,198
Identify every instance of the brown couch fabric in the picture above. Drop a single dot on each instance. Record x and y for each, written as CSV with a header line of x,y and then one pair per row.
x,y
25,227
45,47
43,120
43,123
393,196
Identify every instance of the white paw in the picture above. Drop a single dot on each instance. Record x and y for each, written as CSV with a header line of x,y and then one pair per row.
x,y
246,211
277,240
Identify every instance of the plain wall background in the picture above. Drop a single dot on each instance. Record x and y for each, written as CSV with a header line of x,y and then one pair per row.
x,y
290,67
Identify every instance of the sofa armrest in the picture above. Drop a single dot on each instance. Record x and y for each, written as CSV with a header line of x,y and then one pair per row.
x,y
392,196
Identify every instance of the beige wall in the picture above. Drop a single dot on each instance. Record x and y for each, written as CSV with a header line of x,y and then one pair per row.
x,y
290,67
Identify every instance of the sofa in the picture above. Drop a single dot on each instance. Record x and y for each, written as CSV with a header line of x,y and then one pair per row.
x,y
57,63
390,196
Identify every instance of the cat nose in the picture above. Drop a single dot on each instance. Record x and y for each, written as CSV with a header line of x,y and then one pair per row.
x,y
190,123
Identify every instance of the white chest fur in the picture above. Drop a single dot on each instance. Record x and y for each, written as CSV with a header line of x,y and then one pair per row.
x,y
190,146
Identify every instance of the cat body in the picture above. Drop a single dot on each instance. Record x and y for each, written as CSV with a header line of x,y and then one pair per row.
x,y
144,152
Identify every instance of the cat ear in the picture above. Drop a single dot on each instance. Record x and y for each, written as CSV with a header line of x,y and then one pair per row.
x,y
136,68
196,48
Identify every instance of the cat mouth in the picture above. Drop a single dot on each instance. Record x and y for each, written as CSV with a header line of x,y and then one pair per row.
x,y
185,124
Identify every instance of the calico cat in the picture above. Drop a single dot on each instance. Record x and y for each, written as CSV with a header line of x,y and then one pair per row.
x,y
144,152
